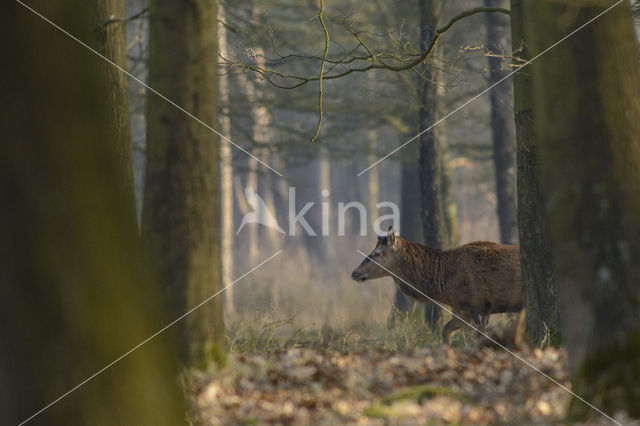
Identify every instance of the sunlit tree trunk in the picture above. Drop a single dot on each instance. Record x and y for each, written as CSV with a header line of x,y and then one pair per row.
x,y
538,279
252,229
324,183
586,95
181,221
74,294
504,146
373,183
256,235
226,180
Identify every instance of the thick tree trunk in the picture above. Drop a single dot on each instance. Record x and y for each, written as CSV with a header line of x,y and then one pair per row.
x,y
434,225
586,93
181,221
504,156
111,40
538,279
73,292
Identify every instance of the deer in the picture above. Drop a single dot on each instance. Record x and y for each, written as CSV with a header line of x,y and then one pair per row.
x,y
476,280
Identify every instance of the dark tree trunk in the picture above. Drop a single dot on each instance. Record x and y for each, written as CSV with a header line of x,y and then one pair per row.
x,y
586,93
410,208
181,222
504,156
433,221
73,292
539,282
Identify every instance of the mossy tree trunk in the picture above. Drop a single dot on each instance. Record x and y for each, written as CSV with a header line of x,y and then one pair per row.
x,y
73,292
111,41
504,147
538,279
586,95
181,221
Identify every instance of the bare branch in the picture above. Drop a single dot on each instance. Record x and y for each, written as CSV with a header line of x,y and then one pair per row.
x,y
412,60
326,52
127,19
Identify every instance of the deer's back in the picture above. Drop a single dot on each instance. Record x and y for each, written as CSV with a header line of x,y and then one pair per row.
x,y
485,278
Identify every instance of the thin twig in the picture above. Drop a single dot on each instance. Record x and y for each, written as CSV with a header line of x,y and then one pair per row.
x,y
127,19
324,58
268,74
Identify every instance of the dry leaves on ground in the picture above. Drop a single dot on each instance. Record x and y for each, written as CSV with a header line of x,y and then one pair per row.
x,y
301,386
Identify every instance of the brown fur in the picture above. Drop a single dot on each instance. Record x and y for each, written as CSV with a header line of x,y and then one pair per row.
x,y
476,280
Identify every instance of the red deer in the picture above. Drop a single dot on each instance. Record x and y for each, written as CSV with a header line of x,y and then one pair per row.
x,y
476,280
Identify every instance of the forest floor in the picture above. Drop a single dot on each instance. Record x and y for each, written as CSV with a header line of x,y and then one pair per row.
x,y
424,386
326,377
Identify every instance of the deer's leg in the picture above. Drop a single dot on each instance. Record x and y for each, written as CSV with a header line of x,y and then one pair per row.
x,y
453,325
481,321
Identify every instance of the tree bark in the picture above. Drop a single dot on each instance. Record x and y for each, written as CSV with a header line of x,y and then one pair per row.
x,y
110,39
226,181
449,209
434,226
181,221
504,156
410,212
373,177
74,295
586,93
538,279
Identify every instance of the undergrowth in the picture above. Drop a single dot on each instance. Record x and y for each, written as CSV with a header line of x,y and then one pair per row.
x,y
266,333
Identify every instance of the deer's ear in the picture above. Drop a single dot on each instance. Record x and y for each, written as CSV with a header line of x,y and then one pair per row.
x,y
391,236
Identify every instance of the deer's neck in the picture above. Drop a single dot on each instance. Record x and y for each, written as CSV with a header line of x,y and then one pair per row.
x,y
422,270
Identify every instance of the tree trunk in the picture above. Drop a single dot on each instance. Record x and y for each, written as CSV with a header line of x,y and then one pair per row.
x,y
449,209
181,221
502,130
586,92
410,217
110,39
538,279
373,176
434,226
226,181
433,223
73,292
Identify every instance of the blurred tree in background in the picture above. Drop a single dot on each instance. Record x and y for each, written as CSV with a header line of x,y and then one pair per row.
x,y
586,93
74,292
502,127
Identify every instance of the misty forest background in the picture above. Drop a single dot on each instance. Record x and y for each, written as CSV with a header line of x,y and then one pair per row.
x,y
365,116
120,211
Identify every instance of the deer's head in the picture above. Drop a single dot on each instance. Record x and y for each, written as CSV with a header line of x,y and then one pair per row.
x,y
383,257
